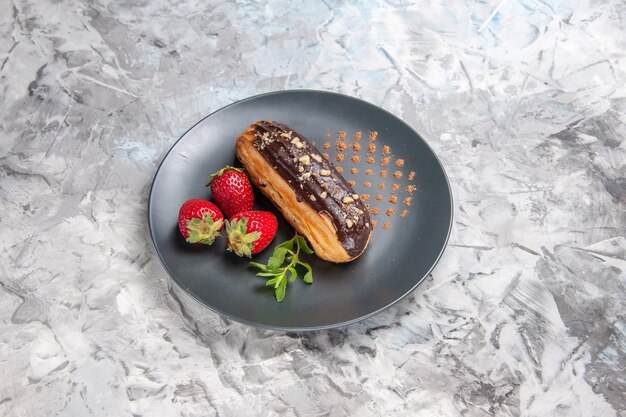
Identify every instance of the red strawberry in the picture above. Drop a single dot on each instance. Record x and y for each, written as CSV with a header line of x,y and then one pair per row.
x,y
231,190
249,232
200,221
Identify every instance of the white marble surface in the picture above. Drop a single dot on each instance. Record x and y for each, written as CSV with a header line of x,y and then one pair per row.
x,y
525,103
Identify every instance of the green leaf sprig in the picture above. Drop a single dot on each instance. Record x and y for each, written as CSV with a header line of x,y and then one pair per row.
x,y
287,253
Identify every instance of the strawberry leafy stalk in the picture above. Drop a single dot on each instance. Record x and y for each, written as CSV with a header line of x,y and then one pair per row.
x,y
287,254
203,230
220,172
239,240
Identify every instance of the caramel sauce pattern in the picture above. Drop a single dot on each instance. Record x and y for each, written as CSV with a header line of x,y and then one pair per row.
x,y
374,160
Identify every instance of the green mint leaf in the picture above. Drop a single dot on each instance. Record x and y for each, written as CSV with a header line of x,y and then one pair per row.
x,y
271,282
303,244
308,276
260,266
277,258
288,244
265,274
280,290
293,272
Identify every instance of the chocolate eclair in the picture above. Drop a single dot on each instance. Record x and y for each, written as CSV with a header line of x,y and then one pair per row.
x,y
307,189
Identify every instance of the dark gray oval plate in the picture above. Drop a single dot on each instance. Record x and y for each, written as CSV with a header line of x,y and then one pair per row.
x,y
394,264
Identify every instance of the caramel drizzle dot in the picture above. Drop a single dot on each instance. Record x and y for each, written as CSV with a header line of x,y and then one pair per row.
x,y
339,169
379,197
341,146
357,136
373,136
326,156
383,173
369,172
399,163
367,184
355,159
384,161
374,211
410,188
356,147
352,183
365,197
386,225
395,187
354,171
390,211
393,199
397,174
411,175
371,148
340,157
326,145
386,150
374,223
381,185
328,136
370,160
343,135
404,213
407,201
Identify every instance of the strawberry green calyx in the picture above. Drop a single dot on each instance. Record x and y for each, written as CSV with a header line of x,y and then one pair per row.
x,y
203,230
220,172
239,240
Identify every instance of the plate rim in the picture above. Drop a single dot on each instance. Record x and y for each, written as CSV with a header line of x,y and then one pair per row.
x,y
299,329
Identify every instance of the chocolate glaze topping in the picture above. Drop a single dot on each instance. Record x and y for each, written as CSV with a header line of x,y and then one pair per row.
x,y
316,182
